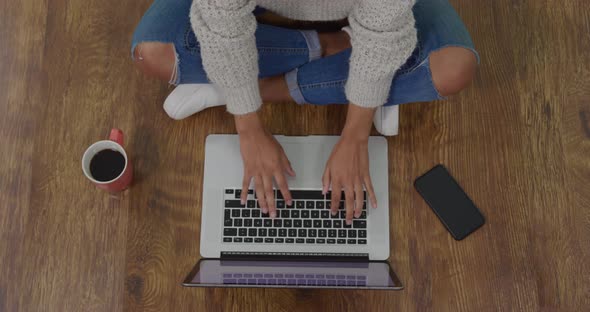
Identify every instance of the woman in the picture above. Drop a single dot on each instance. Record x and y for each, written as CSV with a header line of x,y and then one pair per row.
x,y
394,52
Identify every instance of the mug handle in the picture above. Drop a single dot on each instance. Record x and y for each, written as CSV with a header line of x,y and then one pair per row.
x,y
117,136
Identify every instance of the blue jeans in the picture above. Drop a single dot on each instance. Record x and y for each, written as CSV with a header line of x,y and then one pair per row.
x,y
296,54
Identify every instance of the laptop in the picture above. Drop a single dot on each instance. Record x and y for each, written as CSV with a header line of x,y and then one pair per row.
x,y
304,246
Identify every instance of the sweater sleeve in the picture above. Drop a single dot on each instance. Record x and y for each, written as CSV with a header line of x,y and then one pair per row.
x,y
383,38
225,31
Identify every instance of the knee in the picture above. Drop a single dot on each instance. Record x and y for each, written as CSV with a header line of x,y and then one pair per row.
x,y
452,69
155,59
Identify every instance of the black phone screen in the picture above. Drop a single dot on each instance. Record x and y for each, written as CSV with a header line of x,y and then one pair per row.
x,y
450,203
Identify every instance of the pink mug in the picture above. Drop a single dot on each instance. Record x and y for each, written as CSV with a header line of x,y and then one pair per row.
x,y
119,181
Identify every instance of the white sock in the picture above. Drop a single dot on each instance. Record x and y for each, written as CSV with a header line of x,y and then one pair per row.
x,y
386,120
189,99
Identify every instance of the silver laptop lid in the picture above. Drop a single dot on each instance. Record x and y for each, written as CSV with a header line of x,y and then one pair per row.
x,y
293,274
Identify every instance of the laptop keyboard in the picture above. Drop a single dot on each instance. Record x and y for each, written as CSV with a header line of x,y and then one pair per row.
x,y
294,279
307,221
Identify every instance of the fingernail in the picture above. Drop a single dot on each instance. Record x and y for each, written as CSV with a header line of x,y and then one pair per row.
x,y
334,212
356,215
264,210
348,222
290,202
273,214
243,202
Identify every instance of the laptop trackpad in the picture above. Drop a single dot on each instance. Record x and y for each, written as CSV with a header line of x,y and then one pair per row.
x,y
308,160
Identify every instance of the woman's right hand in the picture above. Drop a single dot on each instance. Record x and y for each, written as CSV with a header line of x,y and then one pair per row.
x,y
264,159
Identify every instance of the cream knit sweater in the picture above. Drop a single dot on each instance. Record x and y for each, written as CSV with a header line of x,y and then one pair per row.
x,y
383,37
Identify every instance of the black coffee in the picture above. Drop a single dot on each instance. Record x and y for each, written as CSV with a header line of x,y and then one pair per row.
x,y
107,165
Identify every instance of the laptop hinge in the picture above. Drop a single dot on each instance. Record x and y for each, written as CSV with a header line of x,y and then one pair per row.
x,y
309,256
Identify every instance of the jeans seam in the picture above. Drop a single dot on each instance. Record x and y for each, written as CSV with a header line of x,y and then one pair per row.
x,y
290,50
323,84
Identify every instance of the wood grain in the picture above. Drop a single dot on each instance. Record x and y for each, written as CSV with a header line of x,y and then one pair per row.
x,y
518,141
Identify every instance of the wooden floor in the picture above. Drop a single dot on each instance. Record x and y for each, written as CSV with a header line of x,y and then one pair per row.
x,y
518,141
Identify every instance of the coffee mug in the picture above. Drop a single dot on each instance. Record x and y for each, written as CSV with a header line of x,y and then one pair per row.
x,y
106,164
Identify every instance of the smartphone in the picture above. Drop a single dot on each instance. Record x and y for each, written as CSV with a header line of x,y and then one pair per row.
x,y
447,199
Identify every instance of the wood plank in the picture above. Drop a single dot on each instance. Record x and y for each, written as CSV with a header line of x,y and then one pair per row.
x,y
20,67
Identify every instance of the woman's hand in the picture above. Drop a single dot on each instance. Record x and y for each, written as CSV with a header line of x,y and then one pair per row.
x,y
264,159
348,166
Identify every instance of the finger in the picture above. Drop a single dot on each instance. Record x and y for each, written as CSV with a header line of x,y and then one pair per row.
x,y
336,190
370,191
358,198
245,185
326,181
349,194
288,167
283,187
269,195
259,188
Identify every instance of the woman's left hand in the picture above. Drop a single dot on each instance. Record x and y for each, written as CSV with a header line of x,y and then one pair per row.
x,y
347,168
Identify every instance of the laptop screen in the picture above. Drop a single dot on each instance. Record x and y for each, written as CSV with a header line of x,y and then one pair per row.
x,y
304,274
